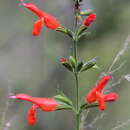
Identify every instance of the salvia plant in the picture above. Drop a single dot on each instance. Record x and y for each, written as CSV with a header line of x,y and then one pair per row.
x,y
95,97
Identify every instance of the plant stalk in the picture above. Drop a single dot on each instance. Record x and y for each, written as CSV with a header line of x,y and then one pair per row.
x,y
77,91
76,12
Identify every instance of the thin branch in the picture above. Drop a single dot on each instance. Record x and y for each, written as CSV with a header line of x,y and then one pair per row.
x,y
121,125
120,53
118,68
114,84
3,120
94,121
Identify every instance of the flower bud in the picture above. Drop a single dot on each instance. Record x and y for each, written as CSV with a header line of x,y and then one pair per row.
x,y
72,61
86,12
66,64
91,18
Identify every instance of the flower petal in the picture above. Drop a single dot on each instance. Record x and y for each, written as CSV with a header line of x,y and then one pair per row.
x,y
46,104
37,27
34,9
22,96
101,84
110,97
91,96
32,115
100,99
51,22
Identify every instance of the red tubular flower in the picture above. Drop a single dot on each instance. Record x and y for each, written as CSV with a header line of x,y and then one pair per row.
x,y
45,104
96,94
32,115
91,18
46,19
91,96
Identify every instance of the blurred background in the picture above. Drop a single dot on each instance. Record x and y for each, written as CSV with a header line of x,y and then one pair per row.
x,y
31,65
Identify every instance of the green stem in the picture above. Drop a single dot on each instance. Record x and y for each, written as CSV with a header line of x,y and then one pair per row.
x,y
78,121
75,50
75,71
77,91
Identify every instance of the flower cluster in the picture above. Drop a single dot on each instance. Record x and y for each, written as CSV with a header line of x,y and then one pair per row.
x,y
96,94
44,19
45,104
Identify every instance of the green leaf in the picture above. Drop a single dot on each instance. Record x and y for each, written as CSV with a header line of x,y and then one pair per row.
x,y
85,106
83,35
63,99
64,107
65,31
81,30
68,66
88,64
97,67
79,66
86,12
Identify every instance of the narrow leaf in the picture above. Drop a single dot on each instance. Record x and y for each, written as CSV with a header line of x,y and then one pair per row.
x,y
79,66
65,31
88,64
63,99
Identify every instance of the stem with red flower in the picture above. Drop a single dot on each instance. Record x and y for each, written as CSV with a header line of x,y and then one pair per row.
x,y
95,97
